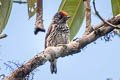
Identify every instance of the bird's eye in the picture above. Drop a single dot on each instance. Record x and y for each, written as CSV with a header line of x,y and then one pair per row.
x,y
59,16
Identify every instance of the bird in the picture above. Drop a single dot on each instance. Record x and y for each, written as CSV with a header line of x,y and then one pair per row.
x,y
58,33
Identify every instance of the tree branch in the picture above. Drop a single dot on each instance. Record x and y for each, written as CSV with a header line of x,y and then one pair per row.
x,y
39,18
106,22
3,36
88,16
20,2
62,51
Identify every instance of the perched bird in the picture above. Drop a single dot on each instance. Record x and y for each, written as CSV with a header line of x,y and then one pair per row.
x,y
58,33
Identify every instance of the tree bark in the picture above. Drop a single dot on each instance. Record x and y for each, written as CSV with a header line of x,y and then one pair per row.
x,y
63,50
3,36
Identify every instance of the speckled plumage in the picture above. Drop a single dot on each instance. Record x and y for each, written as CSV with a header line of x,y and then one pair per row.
x,y
58,33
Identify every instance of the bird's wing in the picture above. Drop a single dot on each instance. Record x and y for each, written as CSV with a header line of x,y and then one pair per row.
x,y
48,33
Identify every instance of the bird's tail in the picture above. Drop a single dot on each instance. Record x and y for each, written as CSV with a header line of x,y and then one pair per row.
x,y
53,66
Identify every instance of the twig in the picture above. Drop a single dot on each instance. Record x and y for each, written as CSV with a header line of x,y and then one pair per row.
x,y
3,76
17,64
8,66
106,22
3,36
20,2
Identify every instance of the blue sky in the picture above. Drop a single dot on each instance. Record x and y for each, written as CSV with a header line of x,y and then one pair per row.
x,y
95,62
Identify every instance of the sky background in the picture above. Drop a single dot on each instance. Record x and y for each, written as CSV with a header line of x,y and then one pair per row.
x,y
95,62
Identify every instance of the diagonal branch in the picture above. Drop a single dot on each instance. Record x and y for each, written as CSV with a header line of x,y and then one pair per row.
x,y
106,22
61,51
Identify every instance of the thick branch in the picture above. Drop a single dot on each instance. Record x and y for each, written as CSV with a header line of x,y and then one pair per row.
x,y
62,51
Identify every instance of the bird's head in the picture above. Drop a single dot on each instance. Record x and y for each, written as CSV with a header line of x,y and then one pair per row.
x,y
61,17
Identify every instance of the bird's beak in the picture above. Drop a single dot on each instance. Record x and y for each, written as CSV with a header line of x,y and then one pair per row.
x,y
68,17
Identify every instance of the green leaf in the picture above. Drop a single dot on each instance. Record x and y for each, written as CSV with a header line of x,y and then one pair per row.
x,y
115,7
116,11
5,10
31,7
75,8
